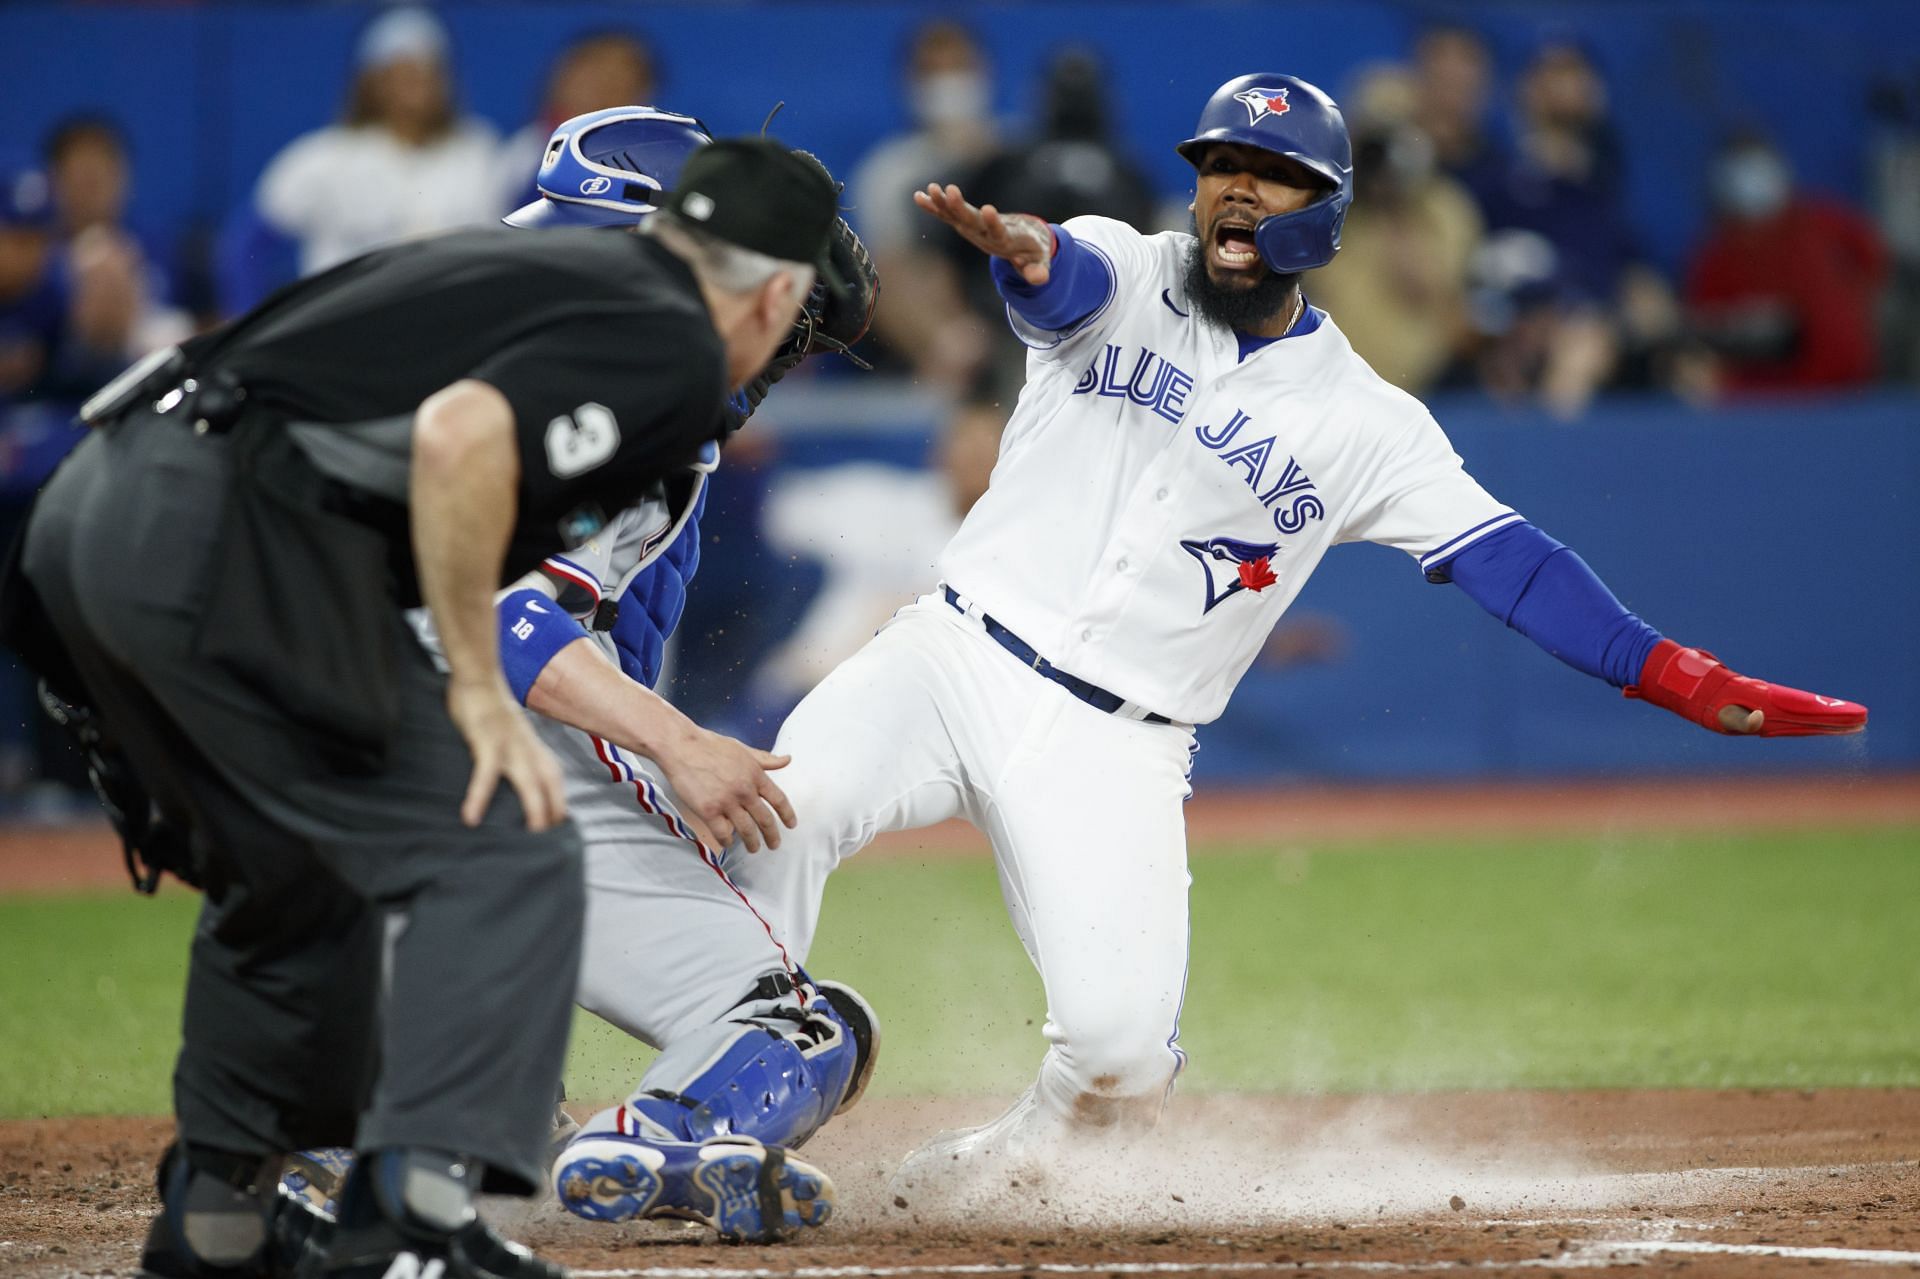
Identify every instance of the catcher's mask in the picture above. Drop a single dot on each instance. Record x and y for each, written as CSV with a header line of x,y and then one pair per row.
x,y
611,167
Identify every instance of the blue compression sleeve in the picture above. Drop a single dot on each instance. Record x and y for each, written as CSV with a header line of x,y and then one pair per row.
x,y
1080,284
1547,593
532,630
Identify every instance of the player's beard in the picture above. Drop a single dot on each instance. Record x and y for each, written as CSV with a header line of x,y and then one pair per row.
x,y
1243,308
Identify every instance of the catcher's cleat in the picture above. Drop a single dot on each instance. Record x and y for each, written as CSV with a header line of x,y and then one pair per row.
x,y
378,1235
316,1176
745,1191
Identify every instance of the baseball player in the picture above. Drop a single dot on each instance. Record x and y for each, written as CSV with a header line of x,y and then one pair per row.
x,y
757,1055
1193,436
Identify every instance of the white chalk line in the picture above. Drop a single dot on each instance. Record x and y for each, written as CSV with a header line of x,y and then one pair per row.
x,y
1865,1256
1586,1255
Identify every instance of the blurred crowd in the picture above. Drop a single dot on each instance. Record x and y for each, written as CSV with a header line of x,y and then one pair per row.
x,y
1489,248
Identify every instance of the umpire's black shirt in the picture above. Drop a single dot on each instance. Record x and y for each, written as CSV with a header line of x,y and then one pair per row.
x,y
600,341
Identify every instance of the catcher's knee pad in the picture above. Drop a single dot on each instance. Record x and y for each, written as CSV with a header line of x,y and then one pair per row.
x,y
773,1071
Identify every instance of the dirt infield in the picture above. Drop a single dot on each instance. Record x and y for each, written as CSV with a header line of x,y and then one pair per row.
x,y
1717,1184
1712,1184
64,859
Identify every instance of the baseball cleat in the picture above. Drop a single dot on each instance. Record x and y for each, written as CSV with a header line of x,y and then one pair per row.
x,y
746,1191
316,1176
608,1178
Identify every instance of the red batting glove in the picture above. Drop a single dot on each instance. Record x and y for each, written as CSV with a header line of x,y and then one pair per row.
x,y
1693,684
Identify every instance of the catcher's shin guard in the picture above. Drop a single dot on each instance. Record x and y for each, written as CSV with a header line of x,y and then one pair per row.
x,y
703,1135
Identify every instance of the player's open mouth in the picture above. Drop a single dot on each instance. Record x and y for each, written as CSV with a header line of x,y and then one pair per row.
x,y
1233,247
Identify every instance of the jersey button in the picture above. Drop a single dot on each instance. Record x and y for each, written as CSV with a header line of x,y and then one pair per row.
x,y
1159,495
1122,565
1087,634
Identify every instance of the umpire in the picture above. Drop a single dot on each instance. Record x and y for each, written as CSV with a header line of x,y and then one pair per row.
x,y
387,950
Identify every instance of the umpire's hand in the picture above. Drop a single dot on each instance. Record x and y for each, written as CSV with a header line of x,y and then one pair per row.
x,y
503,745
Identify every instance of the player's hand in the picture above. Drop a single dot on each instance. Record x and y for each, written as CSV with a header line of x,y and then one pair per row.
x,y
503,745
1696,685
1020,238
724,789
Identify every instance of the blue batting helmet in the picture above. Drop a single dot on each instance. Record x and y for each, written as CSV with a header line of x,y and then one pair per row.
x,y
1286,115
609,168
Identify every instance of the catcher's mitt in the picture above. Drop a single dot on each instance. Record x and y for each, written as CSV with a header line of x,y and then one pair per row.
x,y
830,321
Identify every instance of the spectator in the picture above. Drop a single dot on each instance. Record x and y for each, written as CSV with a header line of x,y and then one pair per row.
x,y
119,307
35,302
1563,180
598,70
923,317
1453,82
1399,284
1591,312
33,297
1785,288
86,159
1894,162
402,161
1071,165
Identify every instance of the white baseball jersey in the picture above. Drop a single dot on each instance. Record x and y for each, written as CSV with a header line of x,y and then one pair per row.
x,y
1159,501
342,190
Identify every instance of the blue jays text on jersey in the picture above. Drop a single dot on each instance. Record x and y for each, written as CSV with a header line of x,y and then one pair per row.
x,y
1158,385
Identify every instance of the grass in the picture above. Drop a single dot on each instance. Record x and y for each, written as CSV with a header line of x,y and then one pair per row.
x,y
1719,961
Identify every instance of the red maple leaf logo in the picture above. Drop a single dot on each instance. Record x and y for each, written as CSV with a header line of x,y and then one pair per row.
x,y
1256,575
1277,104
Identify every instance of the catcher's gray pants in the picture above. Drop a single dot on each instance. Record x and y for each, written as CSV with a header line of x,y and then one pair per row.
x,y
672,944
366,970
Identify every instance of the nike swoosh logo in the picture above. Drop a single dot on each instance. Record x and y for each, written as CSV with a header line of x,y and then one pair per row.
x,y
534,606
1166,295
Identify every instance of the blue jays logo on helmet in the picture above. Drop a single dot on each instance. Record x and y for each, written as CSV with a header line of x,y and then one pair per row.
x,y
611,167
1287,116
1233,566
1261,103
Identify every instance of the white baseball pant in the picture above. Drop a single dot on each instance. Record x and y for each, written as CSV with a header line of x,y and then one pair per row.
x,y
933,719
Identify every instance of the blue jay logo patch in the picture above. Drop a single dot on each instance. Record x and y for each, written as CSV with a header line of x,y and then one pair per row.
x,y
1233,566
1261,103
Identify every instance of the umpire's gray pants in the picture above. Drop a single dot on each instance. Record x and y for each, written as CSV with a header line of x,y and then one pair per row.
x,y
366,970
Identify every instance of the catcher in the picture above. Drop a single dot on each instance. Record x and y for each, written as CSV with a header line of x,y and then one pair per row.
x,y
656,799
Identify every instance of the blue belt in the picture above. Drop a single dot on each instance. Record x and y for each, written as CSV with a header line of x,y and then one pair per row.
x,y
1092,694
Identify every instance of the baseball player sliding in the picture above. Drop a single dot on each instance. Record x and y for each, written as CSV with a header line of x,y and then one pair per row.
x,y
1193,436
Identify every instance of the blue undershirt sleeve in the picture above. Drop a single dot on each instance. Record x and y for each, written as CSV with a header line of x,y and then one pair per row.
x,y
532,630
1547,593
1080,282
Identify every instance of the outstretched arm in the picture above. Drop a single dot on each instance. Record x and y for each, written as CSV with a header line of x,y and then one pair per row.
x,y
1047,277
1547,593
